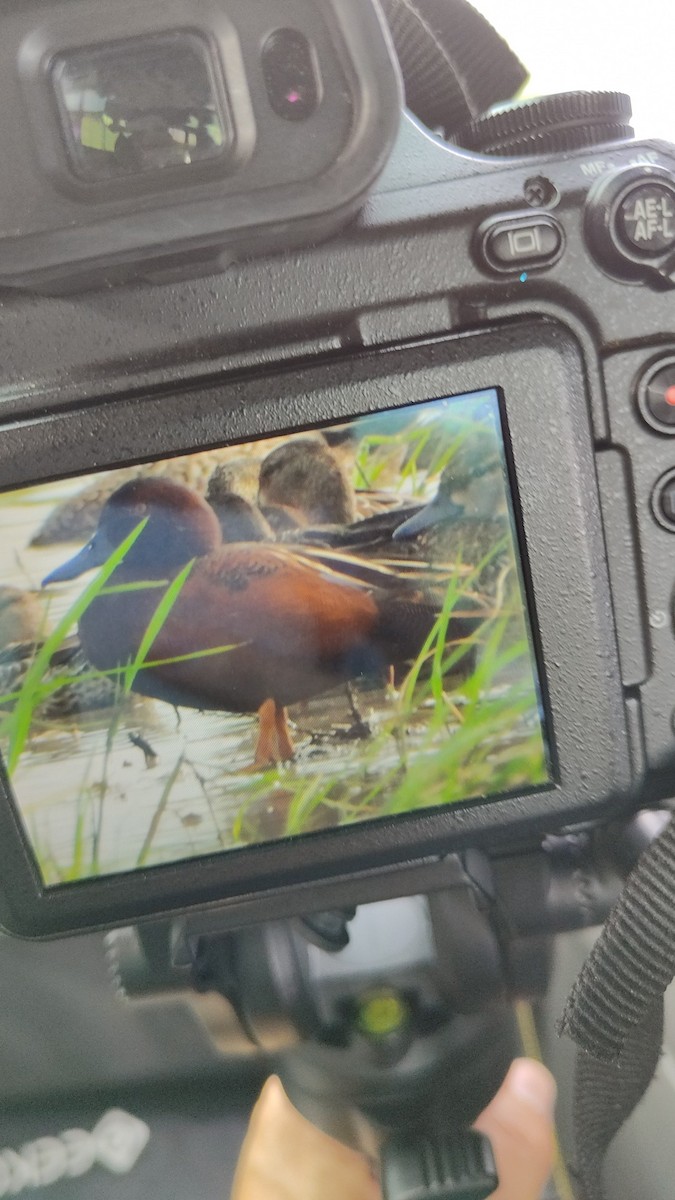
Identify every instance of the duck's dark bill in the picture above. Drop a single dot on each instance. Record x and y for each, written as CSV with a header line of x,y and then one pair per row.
x,y
267,640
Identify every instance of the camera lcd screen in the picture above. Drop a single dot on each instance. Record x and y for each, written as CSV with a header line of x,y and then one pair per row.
x,y
266,641
132,108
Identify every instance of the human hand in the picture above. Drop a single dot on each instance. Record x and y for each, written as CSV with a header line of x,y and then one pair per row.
x,y
519,1124
285,1157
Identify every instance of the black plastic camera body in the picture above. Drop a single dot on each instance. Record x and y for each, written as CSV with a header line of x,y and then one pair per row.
x,y
184,134
550,278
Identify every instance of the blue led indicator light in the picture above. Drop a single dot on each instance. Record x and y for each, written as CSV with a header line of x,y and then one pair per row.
x,y
523,277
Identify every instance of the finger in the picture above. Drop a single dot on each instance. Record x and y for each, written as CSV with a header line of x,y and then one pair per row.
x,y
519,1123
285,1157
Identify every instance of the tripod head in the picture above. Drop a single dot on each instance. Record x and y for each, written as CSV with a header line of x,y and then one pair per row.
x,y
398,1009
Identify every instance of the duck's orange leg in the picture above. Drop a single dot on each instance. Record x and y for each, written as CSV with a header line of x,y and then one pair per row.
x,y
274,740
266,751
284,742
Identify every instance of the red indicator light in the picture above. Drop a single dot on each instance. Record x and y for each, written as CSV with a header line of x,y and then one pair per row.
x,y
670,396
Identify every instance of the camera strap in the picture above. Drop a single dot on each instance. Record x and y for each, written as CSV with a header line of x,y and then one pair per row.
x,y
454,63
615,1010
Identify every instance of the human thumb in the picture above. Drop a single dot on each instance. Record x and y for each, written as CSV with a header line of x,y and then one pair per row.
x,y
519,1124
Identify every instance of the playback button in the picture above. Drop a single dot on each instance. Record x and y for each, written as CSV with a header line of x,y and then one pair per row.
x,y
512,244
656,396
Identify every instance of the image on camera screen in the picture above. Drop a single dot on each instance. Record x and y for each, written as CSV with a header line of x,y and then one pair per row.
x,y
267,640
130,108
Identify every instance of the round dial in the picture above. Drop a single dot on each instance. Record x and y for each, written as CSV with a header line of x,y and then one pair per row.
x,y
551,124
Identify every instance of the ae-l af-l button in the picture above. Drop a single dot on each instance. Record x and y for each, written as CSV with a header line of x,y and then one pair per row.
x,y
630,223
646,219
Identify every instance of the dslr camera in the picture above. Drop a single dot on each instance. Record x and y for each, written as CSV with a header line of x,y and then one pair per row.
x,y
337,473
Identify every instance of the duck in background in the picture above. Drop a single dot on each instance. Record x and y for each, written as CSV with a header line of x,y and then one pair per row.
x,y
237,475
262,625
303,484
73,687
300,475
307,484
22,615
75,519
466,524
239,518
468,518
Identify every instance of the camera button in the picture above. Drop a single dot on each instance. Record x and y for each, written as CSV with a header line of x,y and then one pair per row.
x,y
645,218
510,244
656,396
663,501
630,224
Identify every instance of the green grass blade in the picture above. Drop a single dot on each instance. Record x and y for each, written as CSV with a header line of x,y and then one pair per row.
x,y
155,625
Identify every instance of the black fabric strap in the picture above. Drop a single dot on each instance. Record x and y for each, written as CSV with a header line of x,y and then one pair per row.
x,y
615,1010
605,1095
633,960
455,65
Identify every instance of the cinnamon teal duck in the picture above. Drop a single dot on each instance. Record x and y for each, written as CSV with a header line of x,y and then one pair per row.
x,y
274,626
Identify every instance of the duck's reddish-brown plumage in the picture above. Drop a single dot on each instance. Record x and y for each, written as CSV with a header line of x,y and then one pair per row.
x,y
294,630
286,624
